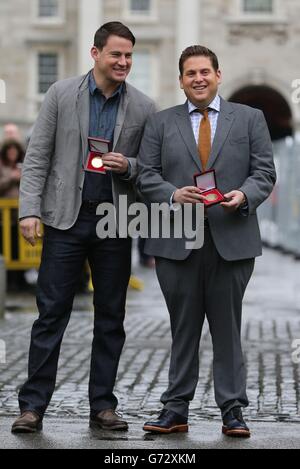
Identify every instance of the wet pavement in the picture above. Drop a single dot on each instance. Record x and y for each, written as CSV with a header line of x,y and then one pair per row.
x,y
271,325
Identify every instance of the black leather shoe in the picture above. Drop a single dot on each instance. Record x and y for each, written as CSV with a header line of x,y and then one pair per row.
x,y
28,422
108,420
234,424
168,422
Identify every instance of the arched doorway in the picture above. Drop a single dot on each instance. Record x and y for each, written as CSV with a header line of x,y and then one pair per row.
x,y
276,109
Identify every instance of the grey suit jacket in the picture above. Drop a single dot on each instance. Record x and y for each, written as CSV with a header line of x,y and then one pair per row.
x,y
242,158
53,175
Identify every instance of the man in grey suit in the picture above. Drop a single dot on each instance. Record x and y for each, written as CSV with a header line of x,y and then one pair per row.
x,y
56,190
212,280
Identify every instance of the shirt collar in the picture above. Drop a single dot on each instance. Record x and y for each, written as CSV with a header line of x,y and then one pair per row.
x,y
93,86
215,105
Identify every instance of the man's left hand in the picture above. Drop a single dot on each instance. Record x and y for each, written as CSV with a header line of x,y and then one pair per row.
x,y
234,200
115,162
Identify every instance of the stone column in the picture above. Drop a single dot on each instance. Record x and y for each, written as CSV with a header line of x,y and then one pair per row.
x,y
188,24
90,18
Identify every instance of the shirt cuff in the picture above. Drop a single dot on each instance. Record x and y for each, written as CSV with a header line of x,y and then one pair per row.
x,y
174,207
127,175
244,208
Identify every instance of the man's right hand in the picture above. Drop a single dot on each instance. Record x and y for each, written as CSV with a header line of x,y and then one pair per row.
x,y
188,195
31,229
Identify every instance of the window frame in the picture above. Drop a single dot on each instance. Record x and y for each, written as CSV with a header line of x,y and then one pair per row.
x,y
268,13
129,15
49,20
154,76
238,15
39,53
35,98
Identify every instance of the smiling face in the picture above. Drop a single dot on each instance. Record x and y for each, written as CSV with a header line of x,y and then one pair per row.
x,y
113,63
200,81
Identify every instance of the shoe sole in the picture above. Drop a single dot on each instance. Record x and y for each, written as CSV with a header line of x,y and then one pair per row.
x,y
24,429
117,428
236,433
176,429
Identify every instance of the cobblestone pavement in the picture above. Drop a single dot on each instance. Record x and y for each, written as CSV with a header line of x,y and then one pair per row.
x,y
271,324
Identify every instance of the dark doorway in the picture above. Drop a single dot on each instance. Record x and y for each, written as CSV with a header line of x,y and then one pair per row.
x,y
276,109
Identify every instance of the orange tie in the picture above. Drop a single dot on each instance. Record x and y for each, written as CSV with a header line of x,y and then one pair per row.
x,y
204,143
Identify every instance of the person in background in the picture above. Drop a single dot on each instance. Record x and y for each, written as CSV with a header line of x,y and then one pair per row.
x,y
12,132
11,158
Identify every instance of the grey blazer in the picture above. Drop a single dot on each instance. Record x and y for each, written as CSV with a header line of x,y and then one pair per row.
x,y
242,158
53,175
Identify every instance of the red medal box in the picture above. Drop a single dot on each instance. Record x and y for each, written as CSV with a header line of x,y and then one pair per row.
x,y
97,148
207,183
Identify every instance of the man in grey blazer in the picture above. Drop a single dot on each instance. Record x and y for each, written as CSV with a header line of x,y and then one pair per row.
x,y
212,280
56,190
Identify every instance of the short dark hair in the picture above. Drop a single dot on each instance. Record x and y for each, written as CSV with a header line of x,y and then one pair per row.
x,y
6,146
194,51
114,28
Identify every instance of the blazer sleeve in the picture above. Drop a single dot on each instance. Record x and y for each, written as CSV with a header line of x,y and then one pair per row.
x,y
38,157
150,181
262,174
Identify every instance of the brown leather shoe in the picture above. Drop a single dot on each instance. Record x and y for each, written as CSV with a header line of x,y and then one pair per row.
x,y
28,422
108,420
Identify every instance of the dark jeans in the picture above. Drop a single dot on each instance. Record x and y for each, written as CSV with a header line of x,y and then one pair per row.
x,y
63,258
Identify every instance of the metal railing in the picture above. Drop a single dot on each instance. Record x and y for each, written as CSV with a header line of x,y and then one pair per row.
x,y
27,257
279,216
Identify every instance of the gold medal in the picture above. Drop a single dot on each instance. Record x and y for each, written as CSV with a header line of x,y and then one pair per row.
x,y
211,197
97,162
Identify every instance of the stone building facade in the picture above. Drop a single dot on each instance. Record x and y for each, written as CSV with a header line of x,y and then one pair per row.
x,y
257,41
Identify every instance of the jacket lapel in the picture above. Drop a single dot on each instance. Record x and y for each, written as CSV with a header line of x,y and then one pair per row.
x,y
83,114
225,121
124,101
183,122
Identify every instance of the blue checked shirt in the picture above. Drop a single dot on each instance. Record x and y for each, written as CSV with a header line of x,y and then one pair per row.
x,y
103,116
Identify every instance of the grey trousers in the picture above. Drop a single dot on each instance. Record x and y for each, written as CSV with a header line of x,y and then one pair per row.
x,y
205,284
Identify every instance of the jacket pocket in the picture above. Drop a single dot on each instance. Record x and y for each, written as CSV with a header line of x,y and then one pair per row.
x,y
50,198
130,140
239,140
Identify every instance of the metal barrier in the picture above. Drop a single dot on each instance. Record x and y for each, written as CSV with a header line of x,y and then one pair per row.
x,y
279,216
2,287
28,257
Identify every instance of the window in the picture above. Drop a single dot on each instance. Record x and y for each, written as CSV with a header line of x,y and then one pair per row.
x,y
140,10
140,7
258,6
143,73
47,71
48,9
